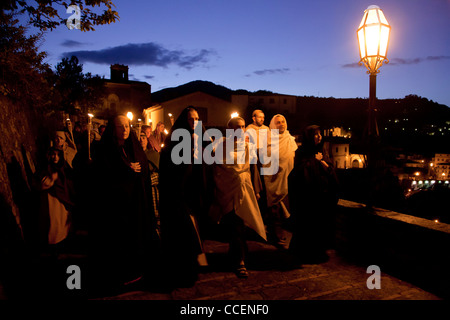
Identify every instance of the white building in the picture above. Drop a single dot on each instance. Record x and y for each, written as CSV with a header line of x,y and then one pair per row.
x,y
337,143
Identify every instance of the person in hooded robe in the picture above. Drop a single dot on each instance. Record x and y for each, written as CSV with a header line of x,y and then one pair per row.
x,y
314,187
57,200
157,137
123,237
277,183
62,141
235,194
153,165
185,197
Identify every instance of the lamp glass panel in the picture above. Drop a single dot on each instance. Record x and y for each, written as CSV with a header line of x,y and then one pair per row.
x,y
384,39
372,17
362,47
372,39
383,18
363,20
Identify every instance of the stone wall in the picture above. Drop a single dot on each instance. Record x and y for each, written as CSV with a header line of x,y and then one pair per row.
x,y
18,149
410,248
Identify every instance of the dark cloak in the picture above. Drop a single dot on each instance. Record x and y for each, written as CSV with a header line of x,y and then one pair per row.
x,y
123,235
314,190
184,192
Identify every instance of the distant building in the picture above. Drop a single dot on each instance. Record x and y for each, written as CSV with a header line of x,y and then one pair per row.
x,y
124,95
213,111
277,103
440,166
337,144
337,132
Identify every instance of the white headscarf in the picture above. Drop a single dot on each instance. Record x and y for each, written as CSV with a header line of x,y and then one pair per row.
x,y
286,141
277,184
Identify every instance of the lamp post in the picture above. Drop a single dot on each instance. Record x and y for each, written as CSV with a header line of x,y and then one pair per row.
x,y
373,40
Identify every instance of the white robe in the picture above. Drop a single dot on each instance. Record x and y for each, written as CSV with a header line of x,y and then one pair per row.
x,y
277,184
58,215
234,189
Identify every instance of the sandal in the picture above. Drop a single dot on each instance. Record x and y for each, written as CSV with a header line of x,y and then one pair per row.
x,y
242,272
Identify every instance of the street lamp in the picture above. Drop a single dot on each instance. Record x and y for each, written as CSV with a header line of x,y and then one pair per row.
x,y
373,39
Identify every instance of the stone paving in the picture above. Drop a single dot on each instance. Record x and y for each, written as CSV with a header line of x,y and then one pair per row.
x,y
274,276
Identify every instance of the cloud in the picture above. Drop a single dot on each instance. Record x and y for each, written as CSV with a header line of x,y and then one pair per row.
x,y
351,65
72,43
401,61
149,77
268,71
139,54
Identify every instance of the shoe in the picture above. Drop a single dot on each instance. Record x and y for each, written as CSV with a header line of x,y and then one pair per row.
x,y
242,272
282,244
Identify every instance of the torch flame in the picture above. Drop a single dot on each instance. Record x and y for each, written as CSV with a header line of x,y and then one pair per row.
x,y
130,116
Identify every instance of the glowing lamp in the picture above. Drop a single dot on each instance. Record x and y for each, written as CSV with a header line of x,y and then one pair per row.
x,y
373,39
234,115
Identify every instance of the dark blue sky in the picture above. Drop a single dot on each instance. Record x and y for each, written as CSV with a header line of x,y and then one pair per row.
x,y
286,46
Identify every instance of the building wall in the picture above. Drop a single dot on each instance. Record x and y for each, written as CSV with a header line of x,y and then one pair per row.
x,y
213,112
441,163
339,152
125,97
279,103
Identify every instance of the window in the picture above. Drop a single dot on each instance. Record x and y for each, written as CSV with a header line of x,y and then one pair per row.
x,y
271,100
337,148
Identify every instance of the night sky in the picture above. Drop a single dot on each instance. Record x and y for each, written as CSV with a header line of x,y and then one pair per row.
x,y
303,48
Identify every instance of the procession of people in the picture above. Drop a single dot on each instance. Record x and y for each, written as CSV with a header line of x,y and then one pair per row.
x,y
148,213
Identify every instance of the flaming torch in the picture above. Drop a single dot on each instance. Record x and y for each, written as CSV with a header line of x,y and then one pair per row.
x,y
90,116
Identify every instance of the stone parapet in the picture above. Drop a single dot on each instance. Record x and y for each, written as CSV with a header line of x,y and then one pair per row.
x,y
410,248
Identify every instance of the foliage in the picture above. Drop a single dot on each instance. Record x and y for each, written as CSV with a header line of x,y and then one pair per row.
x,y
77,92
23,72
45,15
